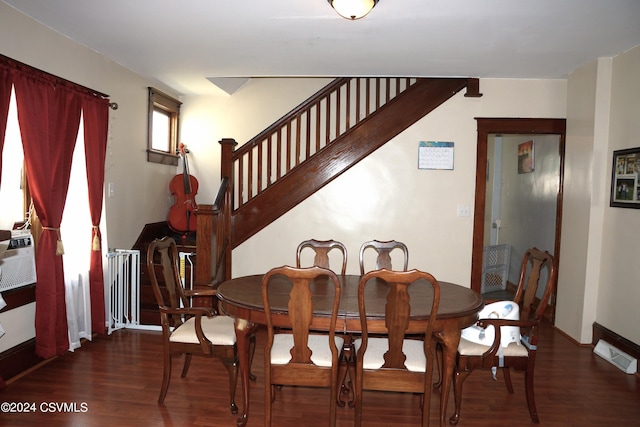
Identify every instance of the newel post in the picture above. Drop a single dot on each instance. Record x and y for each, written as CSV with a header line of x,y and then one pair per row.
x,y
226,160
204,234
226,171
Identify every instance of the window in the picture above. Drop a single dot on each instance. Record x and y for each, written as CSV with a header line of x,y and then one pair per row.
x,y
14,196
164,119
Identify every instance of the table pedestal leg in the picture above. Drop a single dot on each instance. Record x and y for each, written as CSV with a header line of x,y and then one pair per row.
x,y
347,366
449,338
244,331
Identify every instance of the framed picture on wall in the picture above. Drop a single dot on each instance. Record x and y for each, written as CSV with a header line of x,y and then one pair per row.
x,y
526,157
625,179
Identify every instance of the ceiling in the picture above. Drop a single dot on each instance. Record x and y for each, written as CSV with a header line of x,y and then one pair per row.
x,y
187,44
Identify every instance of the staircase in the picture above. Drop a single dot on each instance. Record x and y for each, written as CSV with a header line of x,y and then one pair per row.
x,y
186,242
311,146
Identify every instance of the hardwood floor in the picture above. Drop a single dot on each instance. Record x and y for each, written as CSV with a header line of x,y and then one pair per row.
x,y
114,380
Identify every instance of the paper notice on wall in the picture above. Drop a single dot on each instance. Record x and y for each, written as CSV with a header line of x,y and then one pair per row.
x,y
435,155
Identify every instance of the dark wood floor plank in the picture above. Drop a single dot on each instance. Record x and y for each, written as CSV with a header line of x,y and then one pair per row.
x,y
118,378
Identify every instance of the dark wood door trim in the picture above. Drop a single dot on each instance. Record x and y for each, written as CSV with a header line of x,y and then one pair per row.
x,y
486,127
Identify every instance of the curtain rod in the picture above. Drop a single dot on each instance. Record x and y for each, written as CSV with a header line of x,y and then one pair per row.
x,y
18,64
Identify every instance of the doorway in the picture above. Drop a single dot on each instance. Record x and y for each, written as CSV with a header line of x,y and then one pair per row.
x,y
485,230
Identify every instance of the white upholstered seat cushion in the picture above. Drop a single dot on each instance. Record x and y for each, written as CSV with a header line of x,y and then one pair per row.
x,y
376,348
318,344
219,330
497,310
469,348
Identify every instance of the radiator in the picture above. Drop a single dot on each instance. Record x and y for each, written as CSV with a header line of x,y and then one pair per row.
x,y
18,263
123,289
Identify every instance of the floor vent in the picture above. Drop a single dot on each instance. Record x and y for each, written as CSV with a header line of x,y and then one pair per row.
x,y
616,357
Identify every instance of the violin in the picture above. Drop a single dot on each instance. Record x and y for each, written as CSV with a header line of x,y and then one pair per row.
x,y
183,187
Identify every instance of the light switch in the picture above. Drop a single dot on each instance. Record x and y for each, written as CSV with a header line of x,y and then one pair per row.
x,y
464,210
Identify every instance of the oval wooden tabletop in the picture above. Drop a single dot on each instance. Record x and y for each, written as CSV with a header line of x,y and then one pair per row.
x,y
246,293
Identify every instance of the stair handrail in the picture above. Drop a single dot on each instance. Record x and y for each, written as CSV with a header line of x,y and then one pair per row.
x,y
287,118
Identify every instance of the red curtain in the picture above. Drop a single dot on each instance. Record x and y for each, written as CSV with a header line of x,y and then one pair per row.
x,y
49,118
96,118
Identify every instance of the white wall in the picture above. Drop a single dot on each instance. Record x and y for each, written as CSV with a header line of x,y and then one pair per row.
x,y
576,201
598,280
619,279
19,326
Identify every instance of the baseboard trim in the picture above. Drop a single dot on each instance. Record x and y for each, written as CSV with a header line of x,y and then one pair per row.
x,y
570,338
19,360
18,297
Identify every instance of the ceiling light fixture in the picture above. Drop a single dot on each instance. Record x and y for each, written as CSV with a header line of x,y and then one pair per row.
x,y
353,9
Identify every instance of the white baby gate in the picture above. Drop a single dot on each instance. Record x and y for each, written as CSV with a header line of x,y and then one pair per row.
x,y
122,289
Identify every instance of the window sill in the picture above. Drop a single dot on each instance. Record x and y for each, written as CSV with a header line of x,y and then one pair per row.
x,y
162,158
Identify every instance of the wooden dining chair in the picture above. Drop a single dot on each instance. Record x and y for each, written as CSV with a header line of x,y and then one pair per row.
x,y
294,355
322,249
321,259
383,258
520,355
402,361
186,329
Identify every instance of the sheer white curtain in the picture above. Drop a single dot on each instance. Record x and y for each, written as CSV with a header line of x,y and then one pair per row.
x,y
75,230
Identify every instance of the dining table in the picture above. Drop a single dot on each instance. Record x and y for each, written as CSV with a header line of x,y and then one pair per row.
x,y
241,298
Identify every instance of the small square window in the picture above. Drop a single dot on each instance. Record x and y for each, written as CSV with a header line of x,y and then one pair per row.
x,y
164,119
